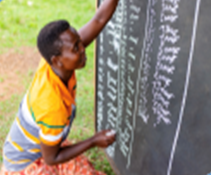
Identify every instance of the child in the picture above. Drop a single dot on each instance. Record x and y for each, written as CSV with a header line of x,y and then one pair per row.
x,y
35,143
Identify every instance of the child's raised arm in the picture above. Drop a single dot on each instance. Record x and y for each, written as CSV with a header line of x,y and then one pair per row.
x,y
91,30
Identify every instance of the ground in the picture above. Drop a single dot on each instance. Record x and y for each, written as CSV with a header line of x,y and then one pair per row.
x,y
14,64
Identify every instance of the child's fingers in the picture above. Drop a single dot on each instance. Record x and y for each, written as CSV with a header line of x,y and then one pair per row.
x,y
110,133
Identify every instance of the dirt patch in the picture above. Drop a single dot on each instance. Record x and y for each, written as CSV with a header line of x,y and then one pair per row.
x,y
15,64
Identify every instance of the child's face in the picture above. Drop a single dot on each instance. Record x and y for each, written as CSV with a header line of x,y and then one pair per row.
x,y
73,52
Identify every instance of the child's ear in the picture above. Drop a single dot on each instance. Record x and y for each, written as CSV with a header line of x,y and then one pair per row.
x,y
59,63
56,61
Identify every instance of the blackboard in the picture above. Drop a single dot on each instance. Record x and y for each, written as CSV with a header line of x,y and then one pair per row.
x,y
153,83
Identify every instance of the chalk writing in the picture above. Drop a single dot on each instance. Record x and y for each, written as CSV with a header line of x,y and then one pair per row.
x,y
117,44
100,94
167,54
133,41
145,66
121,74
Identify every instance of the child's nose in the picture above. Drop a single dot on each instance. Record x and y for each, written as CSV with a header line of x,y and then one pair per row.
x,y
82,47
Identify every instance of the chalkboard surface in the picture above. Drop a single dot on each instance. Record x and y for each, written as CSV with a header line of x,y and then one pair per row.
x,y
153,86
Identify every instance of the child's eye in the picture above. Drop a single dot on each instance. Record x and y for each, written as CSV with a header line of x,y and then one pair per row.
x,y
76,48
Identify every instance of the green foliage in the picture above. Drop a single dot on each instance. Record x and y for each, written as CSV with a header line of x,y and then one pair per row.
x,y
20,23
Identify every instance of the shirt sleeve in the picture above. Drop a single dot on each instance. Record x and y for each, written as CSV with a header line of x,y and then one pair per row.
x,y
52,127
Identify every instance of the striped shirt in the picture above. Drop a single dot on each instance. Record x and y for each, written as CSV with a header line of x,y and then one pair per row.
x,y
45,115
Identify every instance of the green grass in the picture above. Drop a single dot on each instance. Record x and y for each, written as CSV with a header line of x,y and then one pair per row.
x,y
1,79
20,22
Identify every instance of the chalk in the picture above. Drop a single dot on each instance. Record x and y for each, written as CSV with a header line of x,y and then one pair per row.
x,y
112,132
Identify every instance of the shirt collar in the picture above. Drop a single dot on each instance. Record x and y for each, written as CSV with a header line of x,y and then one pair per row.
x,y
66,93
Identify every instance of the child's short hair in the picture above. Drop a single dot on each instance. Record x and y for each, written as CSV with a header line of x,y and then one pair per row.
x,y
48,41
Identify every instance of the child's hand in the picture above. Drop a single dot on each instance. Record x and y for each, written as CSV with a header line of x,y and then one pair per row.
x,y
104,138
